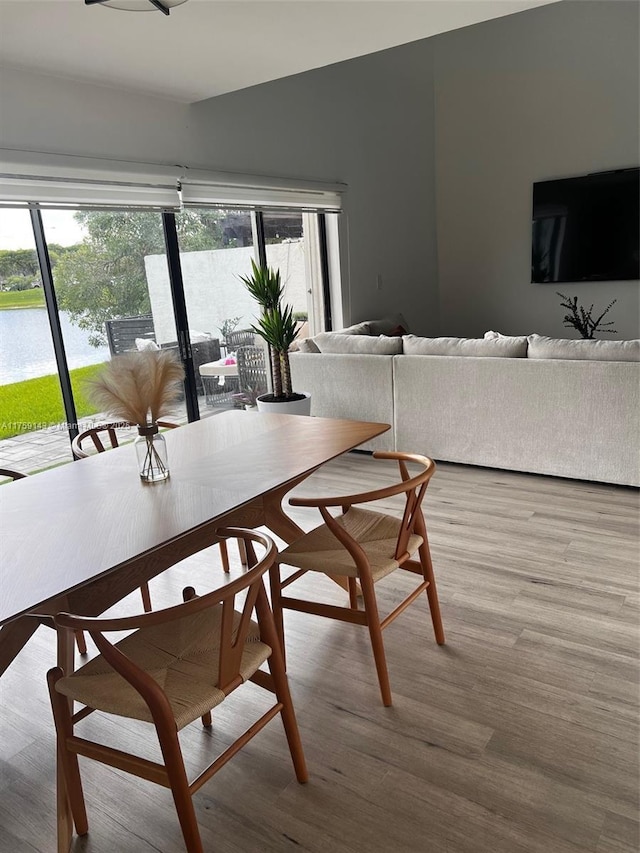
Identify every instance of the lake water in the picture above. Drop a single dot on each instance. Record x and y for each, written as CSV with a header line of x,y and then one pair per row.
x,y
26,348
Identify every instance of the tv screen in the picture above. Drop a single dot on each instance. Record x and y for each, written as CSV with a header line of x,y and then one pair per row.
x,y
587,228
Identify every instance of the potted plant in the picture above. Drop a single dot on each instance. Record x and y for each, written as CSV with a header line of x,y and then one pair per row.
x,y
278,328
247,398
228,326
583,320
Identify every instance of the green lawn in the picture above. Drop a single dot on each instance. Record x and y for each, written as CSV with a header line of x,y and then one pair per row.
x,y
22,299
37,403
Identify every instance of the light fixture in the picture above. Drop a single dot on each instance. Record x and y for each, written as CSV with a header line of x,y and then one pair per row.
x,y
138,5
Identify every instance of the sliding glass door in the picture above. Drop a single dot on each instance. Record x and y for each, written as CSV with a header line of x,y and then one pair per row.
x,y
121,280
31,405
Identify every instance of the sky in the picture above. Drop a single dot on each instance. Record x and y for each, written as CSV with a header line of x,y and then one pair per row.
x,y
16,233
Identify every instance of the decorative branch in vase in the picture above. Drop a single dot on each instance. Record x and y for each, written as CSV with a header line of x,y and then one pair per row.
x,y
582,320
140,388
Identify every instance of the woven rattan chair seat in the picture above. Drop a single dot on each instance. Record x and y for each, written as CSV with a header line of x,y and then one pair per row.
x,y
181,657
375,532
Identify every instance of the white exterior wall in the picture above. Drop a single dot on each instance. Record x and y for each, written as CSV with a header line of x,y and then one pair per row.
x,y
213,291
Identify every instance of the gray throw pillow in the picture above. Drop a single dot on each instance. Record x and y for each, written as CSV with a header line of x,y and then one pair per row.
x,y
388,324
356,329
306,345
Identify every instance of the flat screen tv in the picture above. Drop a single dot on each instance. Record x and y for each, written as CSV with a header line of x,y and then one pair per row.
x,y
587,228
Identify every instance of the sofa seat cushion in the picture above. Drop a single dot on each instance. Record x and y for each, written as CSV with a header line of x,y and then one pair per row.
x,y
541,346
361,344
477,347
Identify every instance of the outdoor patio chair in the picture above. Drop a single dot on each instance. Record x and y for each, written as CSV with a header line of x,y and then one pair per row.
x,y
177,665
239,338
362,547
252,371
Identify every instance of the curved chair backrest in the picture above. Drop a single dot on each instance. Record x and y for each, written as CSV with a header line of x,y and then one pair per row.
x,y
233,631
240,338
252,371
413,488
99,435
9,474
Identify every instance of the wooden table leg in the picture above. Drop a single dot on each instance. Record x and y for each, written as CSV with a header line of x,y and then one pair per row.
x,y
13,637
64,817
279,522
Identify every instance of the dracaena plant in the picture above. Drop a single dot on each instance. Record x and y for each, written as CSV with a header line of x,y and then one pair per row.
x,y
265,285
276,326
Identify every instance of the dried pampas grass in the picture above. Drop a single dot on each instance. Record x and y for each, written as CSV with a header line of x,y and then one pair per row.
x,y
138,387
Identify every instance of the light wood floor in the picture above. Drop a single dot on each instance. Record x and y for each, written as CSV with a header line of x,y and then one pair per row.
x,y
518,736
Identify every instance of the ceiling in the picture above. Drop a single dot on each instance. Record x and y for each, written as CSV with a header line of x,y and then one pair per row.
x,y
208,47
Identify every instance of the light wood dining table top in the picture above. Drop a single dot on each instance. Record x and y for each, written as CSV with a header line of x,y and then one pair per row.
x,y
67,527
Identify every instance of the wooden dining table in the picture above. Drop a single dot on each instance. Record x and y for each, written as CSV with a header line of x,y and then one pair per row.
x,y
81,537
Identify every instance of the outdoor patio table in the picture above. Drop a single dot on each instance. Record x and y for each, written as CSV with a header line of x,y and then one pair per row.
x,y
83,536
211,373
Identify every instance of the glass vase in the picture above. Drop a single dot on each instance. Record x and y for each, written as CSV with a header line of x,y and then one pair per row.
x,y
151,450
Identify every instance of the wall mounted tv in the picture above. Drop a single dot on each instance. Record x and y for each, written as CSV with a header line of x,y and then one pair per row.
x,y
587,228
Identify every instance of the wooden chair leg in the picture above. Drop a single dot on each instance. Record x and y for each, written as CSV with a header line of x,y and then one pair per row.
x,y
146,597
276,607
174,764
242,550
224,556
432,593
187,594
69,760
353,593
375,633
275,663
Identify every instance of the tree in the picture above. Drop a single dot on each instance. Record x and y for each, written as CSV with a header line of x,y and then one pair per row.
x,y
104,277
19,268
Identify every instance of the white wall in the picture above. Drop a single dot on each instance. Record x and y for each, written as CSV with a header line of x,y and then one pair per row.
x,y
550,93
39,113
367,122
213,290
545,93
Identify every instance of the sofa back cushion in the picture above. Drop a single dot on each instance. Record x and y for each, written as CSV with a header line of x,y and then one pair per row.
x,y
478,347
541,346
361,344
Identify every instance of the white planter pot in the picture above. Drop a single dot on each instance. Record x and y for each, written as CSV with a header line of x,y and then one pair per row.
x,y
289,407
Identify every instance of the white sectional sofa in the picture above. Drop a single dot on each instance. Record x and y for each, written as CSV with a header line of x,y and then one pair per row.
x,y
548,406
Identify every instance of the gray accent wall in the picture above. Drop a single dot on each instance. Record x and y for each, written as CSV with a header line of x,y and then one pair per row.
x,y
440,142
550,93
